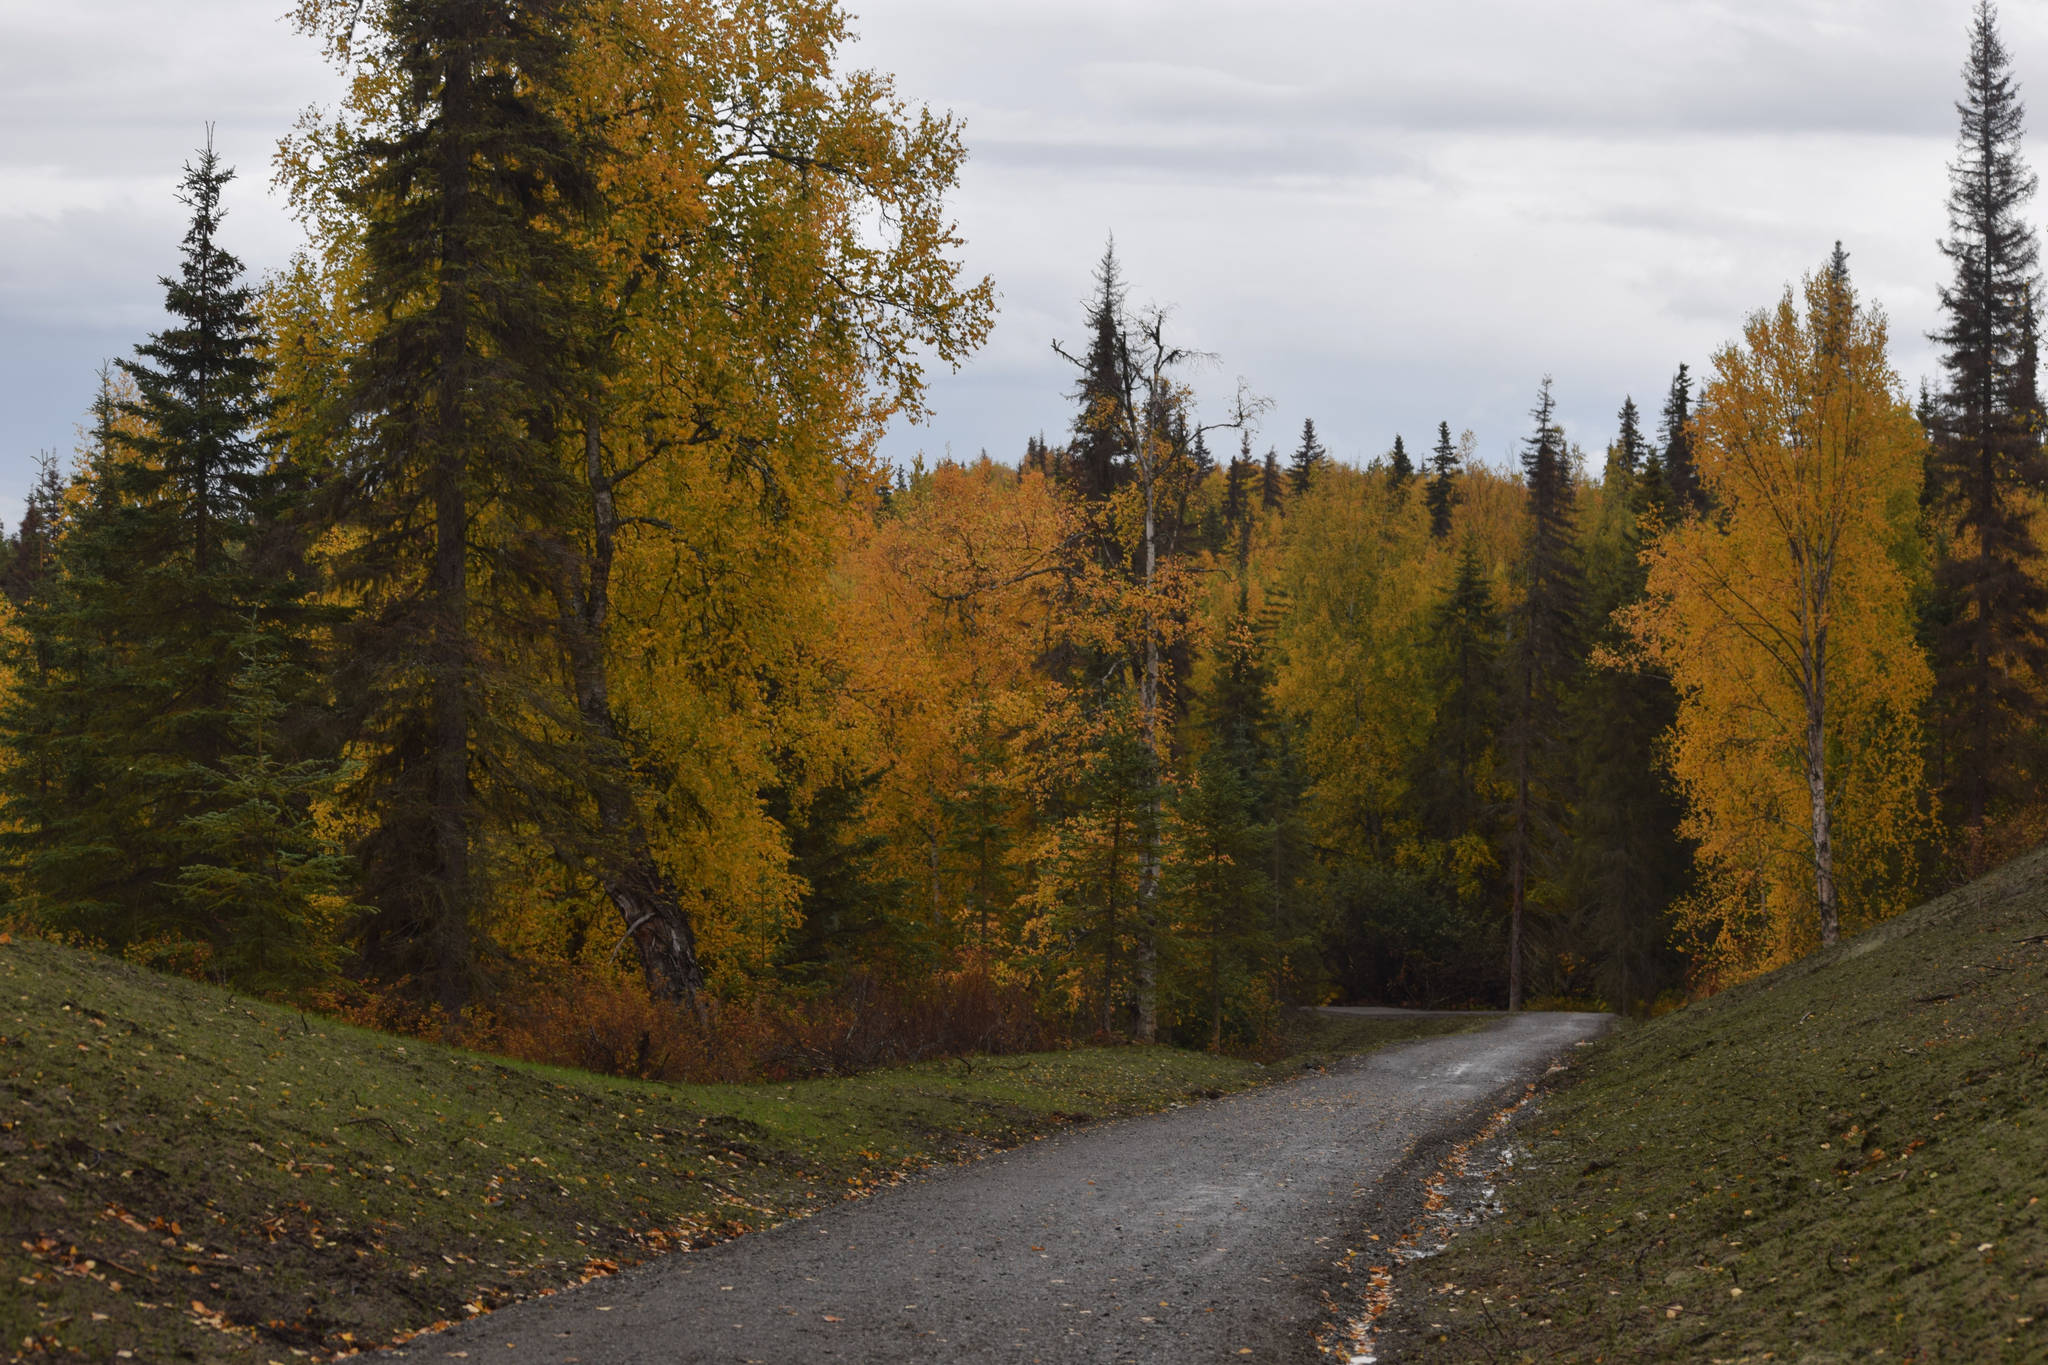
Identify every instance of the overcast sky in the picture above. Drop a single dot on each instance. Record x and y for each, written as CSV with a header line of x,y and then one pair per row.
x,y
1380,214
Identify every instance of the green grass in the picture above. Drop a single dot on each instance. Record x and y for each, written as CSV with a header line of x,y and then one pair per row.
x,y
1843,1161
189,1175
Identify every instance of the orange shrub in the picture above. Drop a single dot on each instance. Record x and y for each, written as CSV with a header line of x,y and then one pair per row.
x,y
608,1023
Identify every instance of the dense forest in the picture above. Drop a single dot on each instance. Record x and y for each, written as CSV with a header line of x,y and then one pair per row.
x,y
503,616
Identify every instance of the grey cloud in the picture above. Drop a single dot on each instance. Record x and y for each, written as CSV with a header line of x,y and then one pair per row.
x,y
1385,213
1234,158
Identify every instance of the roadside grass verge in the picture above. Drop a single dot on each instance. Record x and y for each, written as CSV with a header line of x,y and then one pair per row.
x,y
1844,1160
186,1174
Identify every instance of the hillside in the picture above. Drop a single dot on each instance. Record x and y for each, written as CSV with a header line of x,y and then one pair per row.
x,y
186,1174
1843,1160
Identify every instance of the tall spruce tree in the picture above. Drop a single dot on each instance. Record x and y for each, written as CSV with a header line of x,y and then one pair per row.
x,y
1627,863
1630,449
1457,764
467,194
256,866
1235,821
1441,493
1991,640
1400,468
1237,497
978,818
1543,654
1272,485
170,569
1688,495
29,719
32,554
2027,382
1307,460
1098,460
1038,457
75,857
1215,885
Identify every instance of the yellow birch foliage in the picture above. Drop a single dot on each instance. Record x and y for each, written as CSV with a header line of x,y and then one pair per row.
x,y
1361,574
781,259
1789,605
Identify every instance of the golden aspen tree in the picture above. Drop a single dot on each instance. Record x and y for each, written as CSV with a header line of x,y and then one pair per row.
x,y
1784,618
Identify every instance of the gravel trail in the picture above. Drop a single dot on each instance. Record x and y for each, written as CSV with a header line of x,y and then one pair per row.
x,y
1202,1234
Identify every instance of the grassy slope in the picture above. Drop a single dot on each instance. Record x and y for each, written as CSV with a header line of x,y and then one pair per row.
x,y
1842,1161
186,1174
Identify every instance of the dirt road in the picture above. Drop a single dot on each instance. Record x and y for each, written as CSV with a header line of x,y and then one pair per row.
x,y
1202,1234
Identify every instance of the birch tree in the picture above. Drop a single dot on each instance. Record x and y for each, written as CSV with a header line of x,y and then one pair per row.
x,y
1146,410
1785,622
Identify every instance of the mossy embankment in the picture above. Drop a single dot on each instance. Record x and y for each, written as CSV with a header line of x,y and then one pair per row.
x,y
186,1174
1846,1160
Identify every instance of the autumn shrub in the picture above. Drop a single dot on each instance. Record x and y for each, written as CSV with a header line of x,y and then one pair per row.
x,y
608,1023
396,1006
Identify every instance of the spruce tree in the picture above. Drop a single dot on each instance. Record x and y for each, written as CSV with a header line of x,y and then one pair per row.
x,y
256,867
1038,457
1214,884
1688,496
2026,402
32,553
1990,641
1237,496
1441,493
1098,461
849,911
1272,487
1543,654
170,566
1457,762
1239,708
76,860
1307,460
1630,449
28,720
1231,873
1627,863
978,818
468,192
1400,469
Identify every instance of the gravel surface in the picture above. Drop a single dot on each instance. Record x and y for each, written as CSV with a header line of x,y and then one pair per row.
x,y
1203,1234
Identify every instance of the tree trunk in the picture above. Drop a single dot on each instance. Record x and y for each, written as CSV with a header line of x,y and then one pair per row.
x,y
622,854
1216,982
1823,832
1145,972
1106,1019
448,650
654,917
1520,837
1518,874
